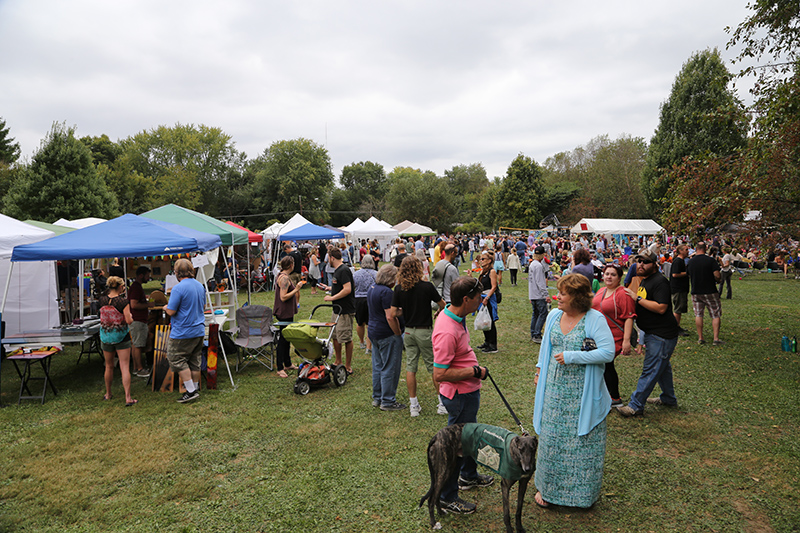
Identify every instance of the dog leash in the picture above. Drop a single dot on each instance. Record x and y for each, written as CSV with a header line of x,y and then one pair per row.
x,y
510,410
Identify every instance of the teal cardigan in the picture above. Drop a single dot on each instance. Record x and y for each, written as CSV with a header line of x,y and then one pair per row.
x,y
595,401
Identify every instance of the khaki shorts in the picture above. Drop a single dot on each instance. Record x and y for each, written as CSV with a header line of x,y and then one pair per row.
x,y
680,302
185,353
343,331
701,301
418,344
295,277
138,333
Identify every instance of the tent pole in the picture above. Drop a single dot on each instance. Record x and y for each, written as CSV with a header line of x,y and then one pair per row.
x,y
249,283
8,284
81,266
224,356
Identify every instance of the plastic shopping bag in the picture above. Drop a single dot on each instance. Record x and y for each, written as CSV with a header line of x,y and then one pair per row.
x,y
483,320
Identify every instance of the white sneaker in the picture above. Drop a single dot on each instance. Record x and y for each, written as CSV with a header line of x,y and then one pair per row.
x,y
415,409
441,409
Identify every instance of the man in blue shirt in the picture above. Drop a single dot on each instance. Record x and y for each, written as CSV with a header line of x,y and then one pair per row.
x,y
186,304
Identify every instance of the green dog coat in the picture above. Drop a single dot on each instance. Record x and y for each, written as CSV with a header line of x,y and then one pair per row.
x,y
490,446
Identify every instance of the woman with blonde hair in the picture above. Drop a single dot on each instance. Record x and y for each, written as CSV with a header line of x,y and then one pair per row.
x,y
489,281
426,268
115,316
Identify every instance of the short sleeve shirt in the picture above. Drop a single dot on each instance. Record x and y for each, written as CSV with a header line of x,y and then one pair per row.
x,y
136,292
451,349
188,299
342,276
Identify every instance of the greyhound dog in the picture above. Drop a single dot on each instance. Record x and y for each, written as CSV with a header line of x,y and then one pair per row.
x,y
443,452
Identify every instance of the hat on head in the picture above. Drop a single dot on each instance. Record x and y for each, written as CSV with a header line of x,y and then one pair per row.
x,y
647,255
539,250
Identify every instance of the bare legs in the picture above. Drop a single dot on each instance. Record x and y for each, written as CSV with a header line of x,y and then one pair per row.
x,y
125,370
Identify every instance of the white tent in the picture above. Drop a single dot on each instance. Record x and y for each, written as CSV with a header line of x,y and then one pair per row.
x,y
375,229
32,301
79,223
416,229
617,226
276,230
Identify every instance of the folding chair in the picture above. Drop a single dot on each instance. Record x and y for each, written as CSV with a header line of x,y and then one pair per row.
x,y
256,336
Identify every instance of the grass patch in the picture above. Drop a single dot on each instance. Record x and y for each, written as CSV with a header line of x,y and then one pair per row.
x,y
261,458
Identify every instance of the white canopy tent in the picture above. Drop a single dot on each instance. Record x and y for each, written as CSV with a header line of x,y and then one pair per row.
x,y
416,229
79,223
353,226
617,226
278,229
378,230
32,301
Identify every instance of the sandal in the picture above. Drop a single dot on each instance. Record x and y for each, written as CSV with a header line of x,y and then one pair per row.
x,y
540,501
282,374
132,402
106,397
349,372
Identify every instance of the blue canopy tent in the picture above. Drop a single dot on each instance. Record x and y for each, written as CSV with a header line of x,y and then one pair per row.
x,y
309,232
126,236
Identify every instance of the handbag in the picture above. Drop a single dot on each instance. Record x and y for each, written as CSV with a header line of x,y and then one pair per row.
x,y
483,320
498,296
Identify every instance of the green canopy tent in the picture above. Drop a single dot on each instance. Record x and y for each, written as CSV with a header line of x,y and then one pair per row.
x,y
58,230
229,235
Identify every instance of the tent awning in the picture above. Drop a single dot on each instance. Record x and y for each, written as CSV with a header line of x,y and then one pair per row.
x,y
310,232
125,236
251,235
417,229
616,226
198,221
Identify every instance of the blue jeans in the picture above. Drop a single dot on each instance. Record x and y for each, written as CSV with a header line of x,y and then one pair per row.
x,y
657,369
462,409
387,358
538,317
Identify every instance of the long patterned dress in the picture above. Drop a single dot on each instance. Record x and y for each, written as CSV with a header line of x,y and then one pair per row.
x,y
569,468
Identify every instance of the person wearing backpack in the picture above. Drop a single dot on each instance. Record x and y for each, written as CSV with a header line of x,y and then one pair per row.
x,y
445,272
115,316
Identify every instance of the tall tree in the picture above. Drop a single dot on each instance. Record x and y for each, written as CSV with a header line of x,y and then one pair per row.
x,y
60,181
422,197
201,159
293,176
467,183
701,118
364,181
521,195
9,150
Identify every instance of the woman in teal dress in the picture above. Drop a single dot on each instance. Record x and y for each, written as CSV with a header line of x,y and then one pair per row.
x,y
571,399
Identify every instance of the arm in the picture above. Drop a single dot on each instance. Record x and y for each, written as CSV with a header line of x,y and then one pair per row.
x,y
597,329
347,288
493,277
127,314
457,374
391,319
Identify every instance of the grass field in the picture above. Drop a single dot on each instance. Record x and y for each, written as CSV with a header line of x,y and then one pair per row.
x,y
260,458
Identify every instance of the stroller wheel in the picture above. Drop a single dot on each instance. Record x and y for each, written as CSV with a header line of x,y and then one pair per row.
x,y
302,387
339,375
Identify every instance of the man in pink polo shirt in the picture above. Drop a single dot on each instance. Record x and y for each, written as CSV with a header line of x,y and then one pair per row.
x,y
456,369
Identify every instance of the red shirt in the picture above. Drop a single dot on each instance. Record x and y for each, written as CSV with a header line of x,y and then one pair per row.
x,y
617,308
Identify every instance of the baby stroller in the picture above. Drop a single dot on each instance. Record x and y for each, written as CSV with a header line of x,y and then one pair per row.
x,y
315,370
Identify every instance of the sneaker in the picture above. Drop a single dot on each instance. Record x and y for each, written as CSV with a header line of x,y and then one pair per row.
x,y
617,402
363,345
189,397
537,340
657,401
627,411
701,341
396,406
481,481
376,403
441,409
143,373
458,506
718,343
415,409
481,346
489,349
683,333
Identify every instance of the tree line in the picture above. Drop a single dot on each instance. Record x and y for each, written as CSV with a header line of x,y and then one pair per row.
x,y
710,161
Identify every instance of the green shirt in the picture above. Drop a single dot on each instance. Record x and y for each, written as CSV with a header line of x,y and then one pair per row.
x,y
491,447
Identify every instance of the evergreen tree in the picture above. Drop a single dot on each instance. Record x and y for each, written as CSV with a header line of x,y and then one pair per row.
x,y
701,118
60,182
521,196
9,150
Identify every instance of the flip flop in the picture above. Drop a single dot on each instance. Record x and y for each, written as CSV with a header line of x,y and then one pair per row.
x,y
105,398
544,504
349,372
134,402
282,374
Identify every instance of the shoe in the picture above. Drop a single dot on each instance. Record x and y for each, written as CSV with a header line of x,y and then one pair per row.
x,y
481,481
701,341
415,409
490,349
376,403
457,506
441,409
718,343
617,402
189,397
143,373
536,339
628,411
657,401
396,406
683,333
363,345
481,347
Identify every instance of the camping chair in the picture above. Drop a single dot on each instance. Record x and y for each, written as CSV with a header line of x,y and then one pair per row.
x,y
256,337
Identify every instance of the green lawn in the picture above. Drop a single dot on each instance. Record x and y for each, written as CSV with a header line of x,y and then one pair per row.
x,y
260,458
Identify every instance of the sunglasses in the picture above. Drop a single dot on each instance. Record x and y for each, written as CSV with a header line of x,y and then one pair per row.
x,y
478,287
644,261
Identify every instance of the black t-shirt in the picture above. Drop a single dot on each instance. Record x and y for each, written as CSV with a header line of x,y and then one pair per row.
x,y
341,276
680,284
416,303
656,288
298,261
399,259
701,270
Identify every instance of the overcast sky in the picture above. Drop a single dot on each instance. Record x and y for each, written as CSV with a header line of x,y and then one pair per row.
x,y
424,84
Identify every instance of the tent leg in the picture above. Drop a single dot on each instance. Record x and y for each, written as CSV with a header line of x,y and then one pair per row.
x,y
225,356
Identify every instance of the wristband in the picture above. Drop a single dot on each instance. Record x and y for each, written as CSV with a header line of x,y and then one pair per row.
x,y
476,371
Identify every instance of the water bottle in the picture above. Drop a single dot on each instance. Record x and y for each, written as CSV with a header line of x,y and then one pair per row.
x,y
786,344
